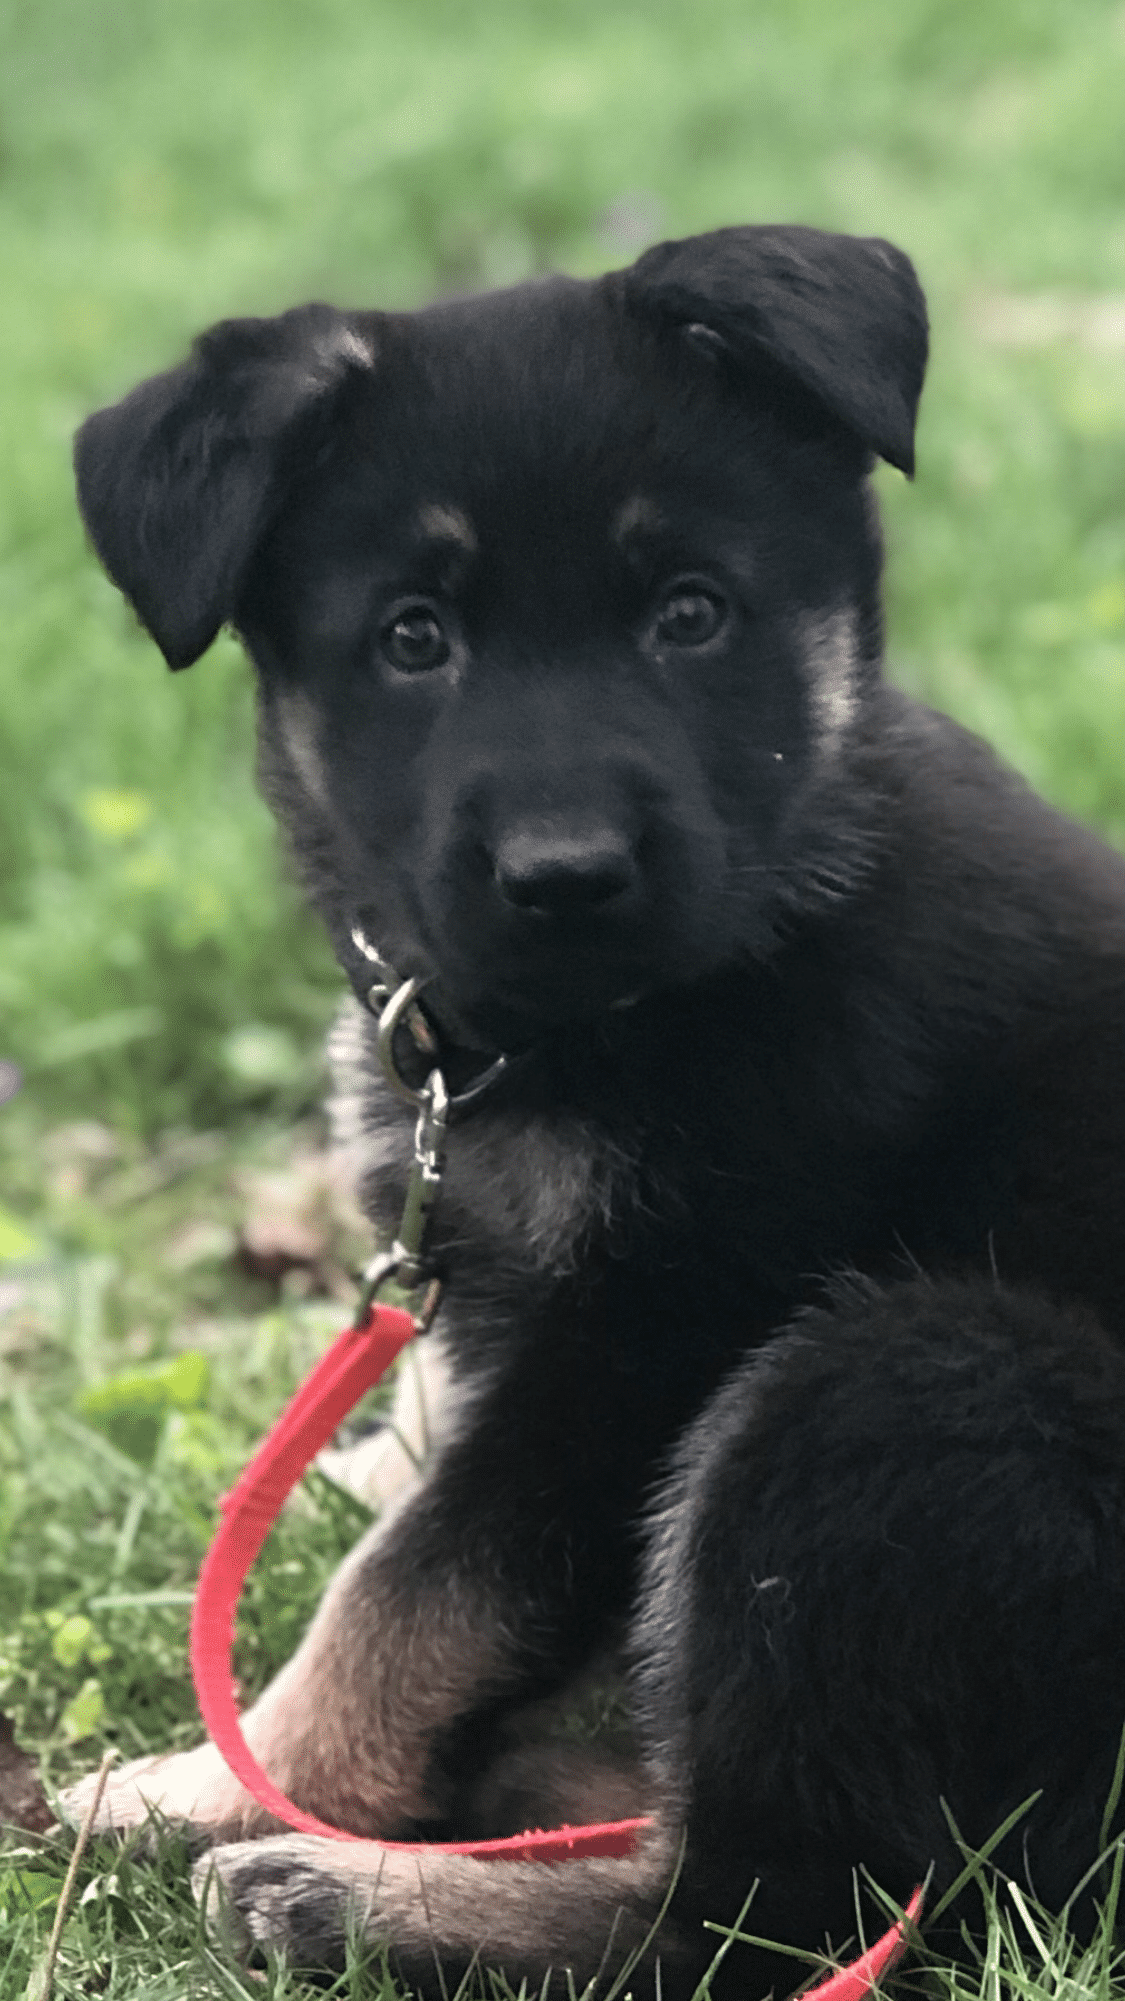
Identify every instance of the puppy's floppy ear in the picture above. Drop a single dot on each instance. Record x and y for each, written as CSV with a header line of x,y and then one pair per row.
x,y
843,315
179,482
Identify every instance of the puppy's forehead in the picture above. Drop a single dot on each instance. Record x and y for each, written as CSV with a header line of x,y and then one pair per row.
x,y
543,401
544,423
547,319
544,376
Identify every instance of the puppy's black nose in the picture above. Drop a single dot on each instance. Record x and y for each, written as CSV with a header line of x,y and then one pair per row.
x,y
564,875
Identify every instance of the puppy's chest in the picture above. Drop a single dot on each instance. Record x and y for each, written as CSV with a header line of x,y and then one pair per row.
x,y
755,1201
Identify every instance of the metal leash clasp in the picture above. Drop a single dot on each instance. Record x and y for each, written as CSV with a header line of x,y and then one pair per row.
x,y
395,1002
406,1262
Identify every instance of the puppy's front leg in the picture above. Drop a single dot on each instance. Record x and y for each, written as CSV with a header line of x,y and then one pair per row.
x,y
344,1728
440,1913
492,1583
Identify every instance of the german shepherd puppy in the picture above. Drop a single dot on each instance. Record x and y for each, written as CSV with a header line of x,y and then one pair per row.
x,y
785,1264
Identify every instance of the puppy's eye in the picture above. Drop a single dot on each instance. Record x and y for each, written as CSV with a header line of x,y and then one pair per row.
x,y
414,640
690,616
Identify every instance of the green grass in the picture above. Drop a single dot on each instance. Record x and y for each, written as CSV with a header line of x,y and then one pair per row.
x,y
161,166
135,1374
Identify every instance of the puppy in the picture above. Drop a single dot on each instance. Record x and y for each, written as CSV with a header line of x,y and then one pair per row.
x,y
785,1276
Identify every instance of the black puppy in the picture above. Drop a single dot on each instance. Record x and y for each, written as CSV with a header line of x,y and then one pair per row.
x,y
564,608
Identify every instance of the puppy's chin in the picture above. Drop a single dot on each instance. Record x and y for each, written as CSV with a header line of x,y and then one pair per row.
x,y
514,1016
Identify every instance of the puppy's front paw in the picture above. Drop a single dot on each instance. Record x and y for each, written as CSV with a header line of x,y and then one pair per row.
x,y
296,1893
191,1789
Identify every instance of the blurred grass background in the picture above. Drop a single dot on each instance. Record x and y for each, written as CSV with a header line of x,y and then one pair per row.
x,y
163,165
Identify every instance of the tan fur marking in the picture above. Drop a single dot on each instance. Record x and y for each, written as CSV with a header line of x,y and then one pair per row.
x,y
330,350
830,652
345,1729
440,522
385,1467
638,516
349,1722
353,348
297,717
587,1916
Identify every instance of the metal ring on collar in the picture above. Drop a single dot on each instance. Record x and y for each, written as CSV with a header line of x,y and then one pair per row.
x,y
390,1019
391,1016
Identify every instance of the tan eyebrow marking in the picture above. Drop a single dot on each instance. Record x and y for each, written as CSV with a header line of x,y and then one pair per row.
x,y
439,522
451,539
637,516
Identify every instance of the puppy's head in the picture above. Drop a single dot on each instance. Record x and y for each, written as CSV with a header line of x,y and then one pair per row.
x,y
563,601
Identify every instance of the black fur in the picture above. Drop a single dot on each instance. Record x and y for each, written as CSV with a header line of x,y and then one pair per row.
x,y
801,981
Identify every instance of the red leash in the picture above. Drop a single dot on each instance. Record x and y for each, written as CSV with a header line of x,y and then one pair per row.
x,y
355,1362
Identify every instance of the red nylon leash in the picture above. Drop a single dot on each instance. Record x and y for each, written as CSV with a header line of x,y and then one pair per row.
x,y
356,1361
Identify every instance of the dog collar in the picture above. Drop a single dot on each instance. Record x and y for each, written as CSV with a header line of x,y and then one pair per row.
x,y
411,1040
356,1361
